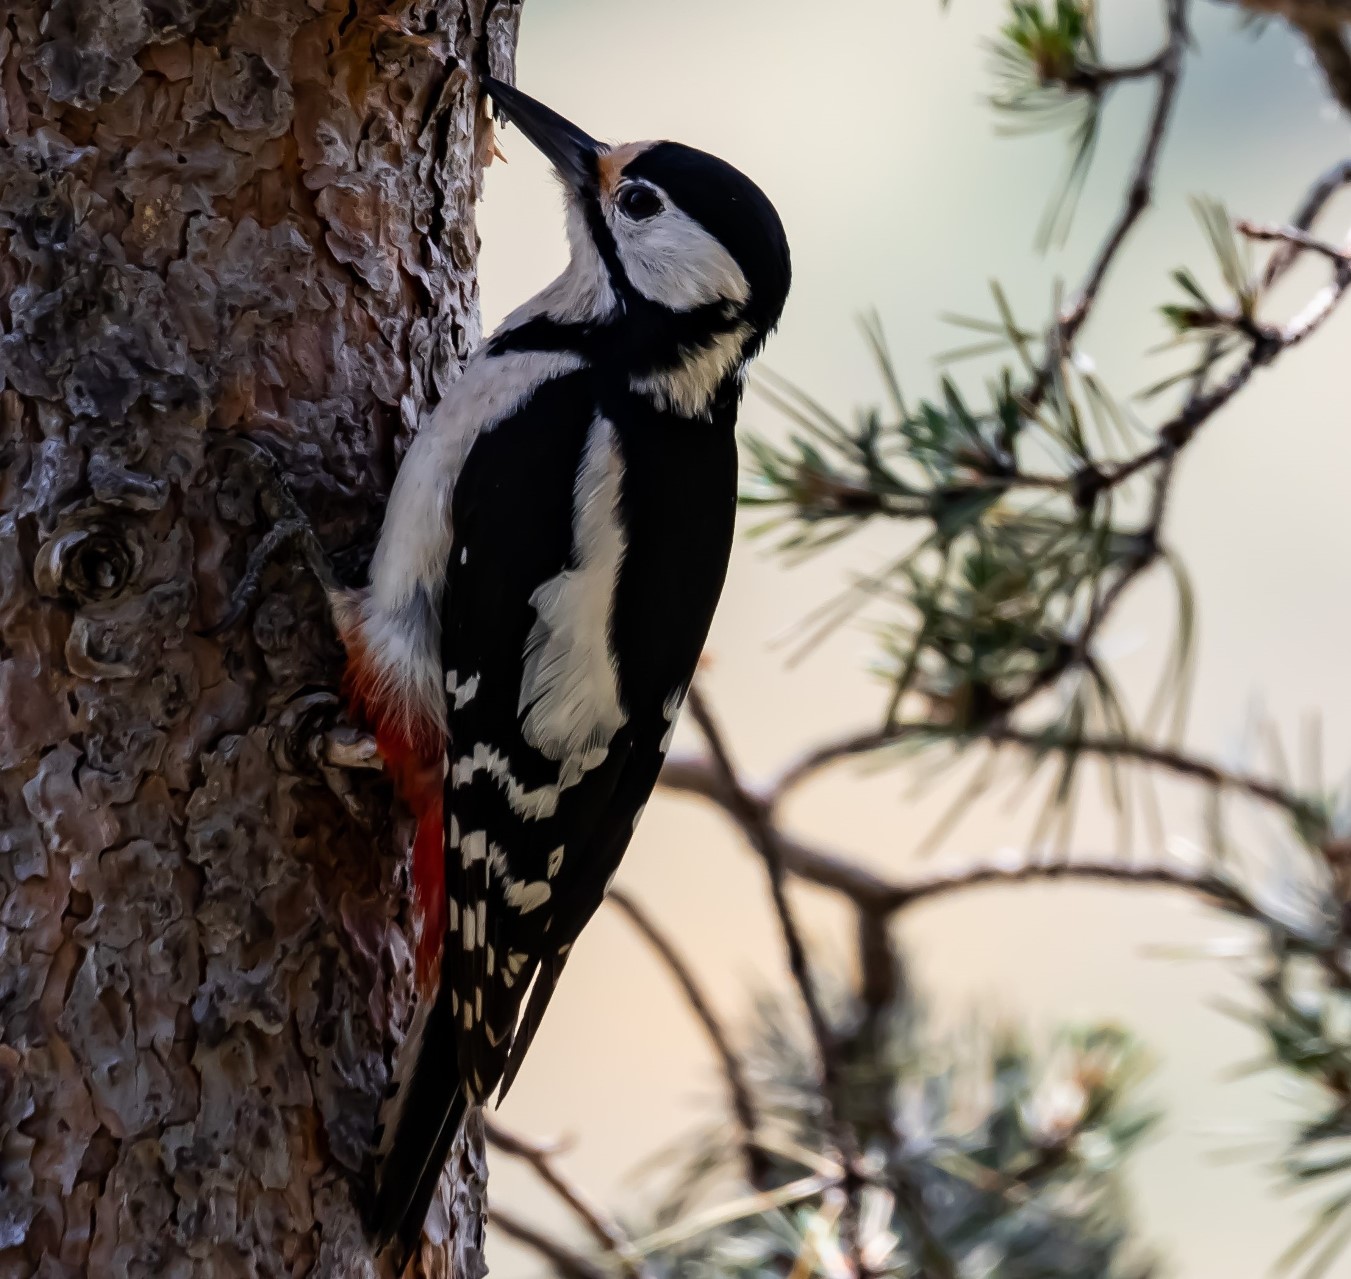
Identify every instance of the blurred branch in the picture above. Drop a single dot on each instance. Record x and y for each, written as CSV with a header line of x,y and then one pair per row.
x,y
876,896
738,1089
1328,45
1327,185
754,821
830,870
1292,235
1322,24
567,1262
870,741
1021,869
1315,12
606,1231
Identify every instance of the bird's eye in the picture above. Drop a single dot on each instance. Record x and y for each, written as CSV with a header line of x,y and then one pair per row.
x,y
639,202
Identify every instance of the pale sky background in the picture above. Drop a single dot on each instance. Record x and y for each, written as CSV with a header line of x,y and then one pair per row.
x,y
866,125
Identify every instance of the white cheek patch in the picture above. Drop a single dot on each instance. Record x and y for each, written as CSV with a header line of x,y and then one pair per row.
x,y
671,260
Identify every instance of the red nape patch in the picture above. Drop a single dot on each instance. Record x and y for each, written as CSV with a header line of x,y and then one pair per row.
x,y
413,751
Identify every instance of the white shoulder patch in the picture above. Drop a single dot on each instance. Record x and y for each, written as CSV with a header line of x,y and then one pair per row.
x,y
416,538
570,682
399,616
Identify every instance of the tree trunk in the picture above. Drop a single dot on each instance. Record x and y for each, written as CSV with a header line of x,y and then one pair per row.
x,y
219,219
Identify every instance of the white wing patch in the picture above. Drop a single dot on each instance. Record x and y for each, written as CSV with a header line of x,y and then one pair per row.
x,y
526,895
416,538
473,848
540,802
570,682
461,693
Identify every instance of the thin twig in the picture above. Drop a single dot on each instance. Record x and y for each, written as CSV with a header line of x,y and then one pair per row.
x,y
1270,343
1291,235
1022,869
1092,76
1172,760
567,1262
697,776
1327,185
871,892
606,1231
739,1093
1140,190
1167,66
754,821
869,742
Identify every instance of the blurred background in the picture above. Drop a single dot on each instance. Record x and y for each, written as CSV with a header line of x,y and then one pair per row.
x,y
867,125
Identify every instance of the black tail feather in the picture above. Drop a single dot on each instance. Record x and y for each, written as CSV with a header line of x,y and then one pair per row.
x,y
546,981
429,1109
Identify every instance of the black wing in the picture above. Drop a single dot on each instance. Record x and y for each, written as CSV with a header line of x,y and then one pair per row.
x,y
534,834
519,831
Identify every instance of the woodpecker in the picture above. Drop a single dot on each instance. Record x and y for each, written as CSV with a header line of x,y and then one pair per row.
x,y
553,550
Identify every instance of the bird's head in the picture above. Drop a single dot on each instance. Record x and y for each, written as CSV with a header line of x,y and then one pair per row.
x,y
659,227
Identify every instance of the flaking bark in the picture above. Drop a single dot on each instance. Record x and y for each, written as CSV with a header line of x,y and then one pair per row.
x,y
219,220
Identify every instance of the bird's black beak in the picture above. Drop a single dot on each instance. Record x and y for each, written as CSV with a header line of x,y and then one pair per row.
x,y
572,152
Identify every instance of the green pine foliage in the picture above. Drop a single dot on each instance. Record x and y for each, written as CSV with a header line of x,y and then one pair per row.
x,y
1014,1152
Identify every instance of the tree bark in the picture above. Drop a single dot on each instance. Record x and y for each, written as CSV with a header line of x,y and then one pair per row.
x,y
219,219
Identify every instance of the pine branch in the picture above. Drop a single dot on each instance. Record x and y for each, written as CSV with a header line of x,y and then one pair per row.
x,y
762,837
868,742
1167,67
566,1262
740,1099
603,1228
717,782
